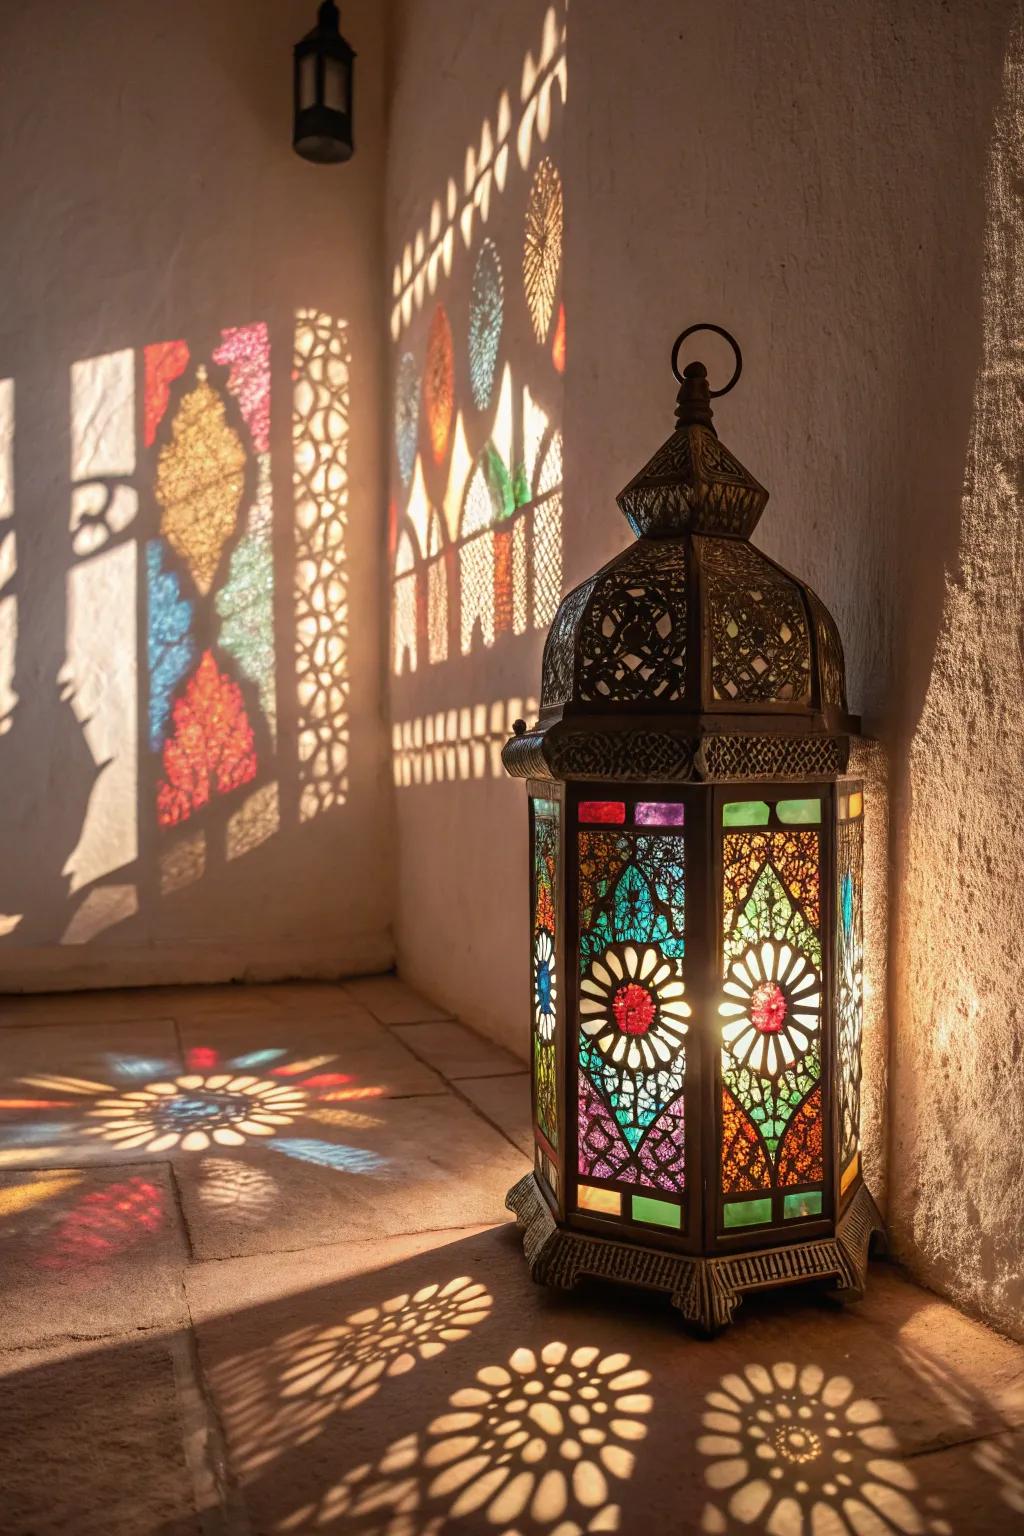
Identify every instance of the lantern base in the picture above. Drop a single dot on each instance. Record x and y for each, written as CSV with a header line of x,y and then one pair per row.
x,y
706,1291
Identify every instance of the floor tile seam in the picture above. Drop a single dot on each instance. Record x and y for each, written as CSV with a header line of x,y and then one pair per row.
x,y
348,1243
956,1445
216,1492
136,1332
453,1085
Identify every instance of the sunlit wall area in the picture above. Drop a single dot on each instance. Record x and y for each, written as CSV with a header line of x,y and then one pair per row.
x,y
479,335
191,738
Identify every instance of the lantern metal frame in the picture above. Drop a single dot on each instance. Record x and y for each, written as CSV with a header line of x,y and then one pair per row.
x,y
703,752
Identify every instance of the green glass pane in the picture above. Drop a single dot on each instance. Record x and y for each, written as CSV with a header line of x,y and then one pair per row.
x,y
745,813
661,1212
805,1204
747,1213
796,813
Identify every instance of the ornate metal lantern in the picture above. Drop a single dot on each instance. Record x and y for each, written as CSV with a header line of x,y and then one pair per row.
x,y
696,879
323,68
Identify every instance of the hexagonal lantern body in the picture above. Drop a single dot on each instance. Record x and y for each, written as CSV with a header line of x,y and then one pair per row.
x,y
696,910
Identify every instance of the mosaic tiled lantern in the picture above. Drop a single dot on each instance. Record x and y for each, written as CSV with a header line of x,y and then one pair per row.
x,y
696,896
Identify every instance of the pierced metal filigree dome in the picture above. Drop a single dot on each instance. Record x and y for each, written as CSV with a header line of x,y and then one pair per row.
x,y
691,655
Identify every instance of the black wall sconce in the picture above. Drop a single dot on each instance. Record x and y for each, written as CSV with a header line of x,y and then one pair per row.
x,y
324,69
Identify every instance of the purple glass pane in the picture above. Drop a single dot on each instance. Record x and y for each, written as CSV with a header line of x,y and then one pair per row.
x,y
660,813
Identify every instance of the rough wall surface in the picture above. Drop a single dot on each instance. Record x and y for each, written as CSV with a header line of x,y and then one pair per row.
x,y
151,196
958,1062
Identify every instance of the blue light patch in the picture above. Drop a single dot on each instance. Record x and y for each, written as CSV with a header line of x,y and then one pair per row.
x,y
169,645
328,1154
259,1058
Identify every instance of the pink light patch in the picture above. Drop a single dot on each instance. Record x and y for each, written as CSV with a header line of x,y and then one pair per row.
x,y
247,350
327,1080
610,813
201,1058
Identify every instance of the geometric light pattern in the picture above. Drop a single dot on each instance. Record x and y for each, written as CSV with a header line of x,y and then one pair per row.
x,y
538,1443
542,246
485,313
320,409
284,1395
191,1113
791,1449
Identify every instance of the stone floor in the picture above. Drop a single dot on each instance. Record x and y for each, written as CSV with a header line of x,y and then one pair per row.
x,y
313,1315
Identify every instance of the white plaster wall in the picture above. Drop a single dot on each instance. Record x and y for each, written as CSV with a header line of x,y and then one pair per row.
x,y
819,178
149,192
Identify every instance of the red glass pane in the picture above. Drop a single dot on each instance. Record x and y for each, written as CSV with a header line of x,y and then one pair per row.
x,y
609,812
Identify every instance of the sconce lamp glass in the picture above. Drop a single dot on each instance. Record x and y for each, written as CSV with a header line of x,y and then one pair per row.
x,y
324,68
696,908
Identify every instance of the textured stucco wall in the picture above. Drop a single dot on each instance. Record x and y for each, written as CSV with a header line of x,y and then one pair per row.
x,y
150,192
839,185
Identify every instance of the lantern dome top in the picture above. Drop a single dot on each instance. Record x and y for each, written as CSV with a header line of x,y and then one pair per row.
x,y
691,654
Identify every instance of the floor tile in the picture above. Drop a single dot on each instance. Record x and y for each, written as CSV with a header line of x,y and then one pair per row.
x,y
384,1167
456,1051
92,1443
391,1001
506,1103
86,1252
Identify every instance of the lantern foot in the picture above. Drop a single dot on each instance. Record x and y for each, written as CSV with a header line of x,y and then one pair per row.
x,y
706,1291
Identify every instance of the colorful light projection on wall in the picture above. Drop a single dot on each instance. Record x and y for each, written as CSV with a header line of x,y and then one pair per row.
x,y
210,571
476,520
171,530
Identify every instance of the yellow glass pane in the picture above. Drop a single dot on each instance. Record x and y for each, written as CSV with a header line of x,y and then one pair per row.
x,y
607,1201
849,1173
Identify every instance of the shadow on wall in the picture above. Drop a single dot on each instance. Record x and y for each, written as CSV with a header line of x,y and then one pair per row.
x,y
958,1071
435,1394
174,658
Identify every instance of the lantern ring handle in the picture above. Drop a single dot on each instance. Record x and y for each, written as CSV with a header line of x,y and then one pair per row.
x,y
719,331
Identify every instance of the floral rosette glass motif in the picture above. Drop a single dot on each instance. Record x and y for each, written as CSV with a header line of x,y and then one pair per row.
x,y
545,978
770,1017
633,1016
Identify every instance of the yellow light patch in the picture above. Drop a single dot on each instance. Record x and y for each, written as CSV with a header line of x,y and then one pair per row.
x,y
849,1173
607,1201
856,805
21,1196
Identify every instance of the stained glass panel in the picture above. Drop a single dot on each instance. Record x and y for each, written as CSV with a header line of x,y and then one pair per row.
x,y
771,1014
546,814
633,1016
849,979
